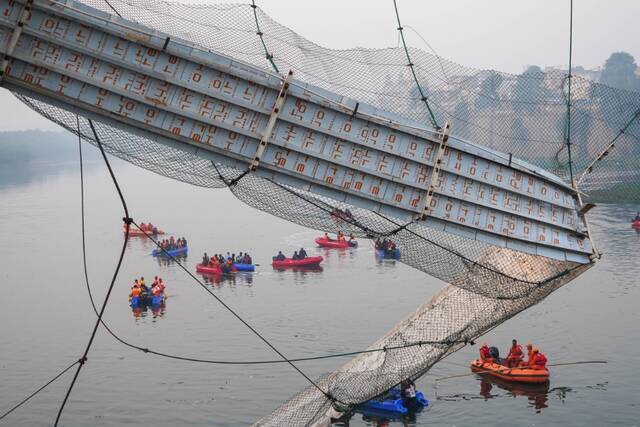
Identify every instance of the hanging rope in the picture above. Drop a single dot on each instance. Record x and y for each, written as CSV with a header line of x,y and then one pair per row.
x,y
269,56
413,71
573,184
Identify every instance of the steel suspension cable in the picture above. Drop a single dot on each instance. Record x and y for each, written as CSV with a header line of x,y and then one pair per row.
x,y
269,56
413,71
127,221
573,184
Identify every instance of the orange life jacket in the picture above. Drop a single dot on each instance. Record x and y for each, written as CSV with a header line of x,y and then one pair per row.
x,y
515,352
540,360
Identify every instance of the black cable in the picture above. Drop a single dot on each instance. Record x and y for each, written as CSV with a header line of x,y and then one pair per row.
x,y
113,8
39,390
127,221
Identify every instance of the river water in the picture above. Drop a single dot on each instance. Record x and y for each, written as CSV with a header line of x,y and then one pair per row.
x,y
45,316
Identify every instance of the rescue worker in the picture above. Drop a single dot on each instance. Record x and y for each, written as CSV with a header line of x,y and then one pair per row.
x,y
326,236
279,257
135,290
529,353
295,256
408,394
539,361
205,259
341,236
637,218
142,282
302,253
515,355
484,353
215,261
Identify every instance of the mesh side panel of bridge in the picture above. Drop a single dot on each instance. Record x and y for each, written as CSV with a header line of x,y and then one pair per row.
x,y
521,114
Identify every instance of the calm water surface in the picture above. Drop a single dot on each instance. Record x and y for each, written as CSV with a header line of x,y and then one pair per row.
x,y
45,316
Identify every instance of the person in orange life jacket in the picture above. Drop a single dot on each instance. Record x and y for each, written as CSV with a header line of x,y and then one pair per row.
x,y
515,355
539,361
135,290
341,236
529,353
484,353
215,261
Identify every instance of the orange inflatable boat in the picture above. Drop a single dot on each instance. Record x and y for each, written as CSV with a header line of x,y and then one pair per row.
x,y
521,374
134,232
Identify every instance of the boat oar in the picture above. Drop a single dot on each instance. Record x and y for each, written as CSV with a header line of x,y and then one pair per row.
x,y
585,362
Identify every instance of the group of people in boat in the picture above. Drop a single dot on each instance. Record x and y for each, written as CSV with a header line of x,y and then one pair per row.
x,y
515,358
225,262
139,288
386,245
340,237
172,244
149,228
297,255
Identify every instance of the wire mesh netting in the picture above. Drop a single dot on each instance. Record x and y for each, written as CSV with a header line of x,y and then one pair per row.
x,y
520,114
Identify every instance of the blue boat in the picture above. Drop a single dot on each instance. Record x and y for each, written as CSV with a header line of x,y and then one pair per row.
x,y
244,267
382,254
170,252
146,299
391,404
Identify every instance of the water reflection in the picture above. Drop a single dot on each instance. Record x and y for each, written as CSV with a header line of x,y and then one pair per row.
x,y
164,261
300,271
233,279
536,394
144,310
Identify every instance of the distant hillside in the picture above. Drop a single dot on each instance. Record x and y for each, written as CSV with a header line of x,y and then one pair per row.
x,y
34,155
35,145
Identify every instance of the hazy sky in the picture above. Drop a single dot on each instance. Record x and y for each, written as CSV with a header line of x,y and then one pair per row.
x,y
506,35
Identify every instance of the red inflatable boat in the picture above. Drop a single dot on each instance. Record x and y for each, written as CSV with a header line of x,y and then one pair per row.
x,y
311,261
635,224
205,269
324,243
